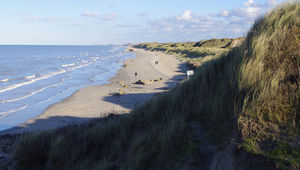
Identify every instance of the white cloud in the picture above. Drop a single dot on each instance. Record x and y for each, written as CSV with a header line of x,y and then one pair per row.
x,y
185,16
190,26
109,17
224,13
127,25
47,18
90,14
250,10
143,14
249,3
237,30
271,3
168,29
21,14
112,4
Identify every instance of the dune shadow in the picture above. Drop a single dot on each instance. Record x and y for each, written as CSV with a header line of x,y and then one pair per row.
x,y
132,99
182,68
45,124
9,138
129,100
51,123
172,82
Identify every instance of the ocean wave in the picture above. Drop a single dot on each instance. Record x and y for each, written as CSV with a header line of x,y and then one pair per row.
x,y
84,61
30,77
84,54
95,58
6,113
4,80
52,97
77,67
73,56
3,114
30,94
68,65
19,78
115,49
11,87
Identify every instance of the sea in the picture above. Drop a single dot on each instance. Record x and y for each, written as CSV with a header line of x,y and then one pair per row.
x,y
33,77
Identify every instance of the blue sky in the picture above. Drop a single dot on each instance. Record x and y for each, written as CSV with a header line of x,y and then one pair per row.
x,y
75,22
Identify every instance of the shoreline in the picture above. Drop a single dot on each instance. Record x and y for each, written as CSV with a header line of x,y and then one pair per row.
x,y
160,72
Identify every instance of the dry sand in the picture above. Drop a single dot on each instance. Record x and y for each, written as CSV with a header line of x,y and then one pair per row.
x,y
99,101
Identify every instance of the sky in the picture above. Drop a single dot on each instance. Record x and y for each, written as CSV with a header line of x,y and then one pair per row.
x,y
91,22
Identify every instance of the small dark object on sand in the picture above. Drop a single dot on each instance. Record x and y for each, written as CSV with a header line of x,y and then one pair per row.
x,y
135,73
156,62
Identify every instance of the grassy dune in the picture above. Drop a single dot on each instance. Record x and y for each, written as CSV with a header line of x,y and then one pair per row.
x,y
249,97
195,54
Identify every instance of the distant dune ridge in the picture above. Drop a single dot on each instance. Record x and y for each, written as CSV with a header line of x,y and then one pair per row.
x,y
195,53
241,110
221,43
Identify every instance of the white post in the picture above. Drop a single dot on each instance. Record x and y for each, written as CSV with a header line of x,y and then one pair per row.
x,y
189,73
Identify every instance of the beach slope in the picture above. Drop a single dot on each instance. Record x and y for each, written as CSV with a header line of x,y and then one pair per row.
x,y
154,73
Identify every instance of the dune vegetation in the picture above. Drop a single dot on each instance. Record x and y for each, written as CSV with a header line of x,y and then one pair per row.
x,y
195,53
240,110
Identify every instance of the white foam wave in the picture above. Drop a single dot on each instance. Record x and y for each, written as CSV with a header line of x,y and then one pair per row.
x,y
68,65
52,97
31,94
3,114
11,87
84,54
4,80
95,58
79,66
30,77
115,49
73,56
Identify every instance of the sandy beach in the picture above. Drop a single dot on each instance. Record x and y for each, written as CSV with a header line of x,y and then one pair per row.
x,y
158,72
